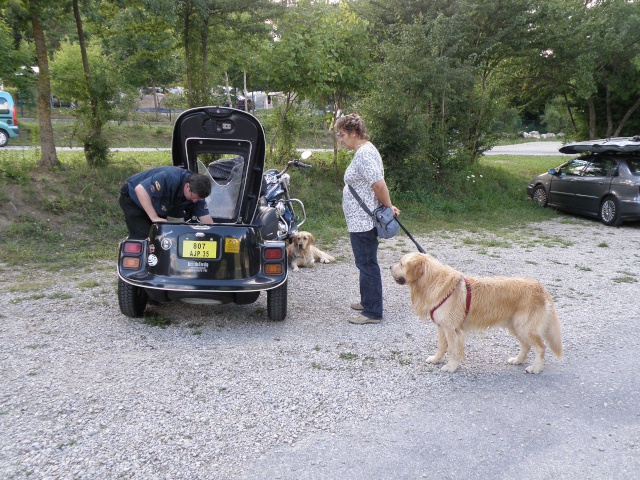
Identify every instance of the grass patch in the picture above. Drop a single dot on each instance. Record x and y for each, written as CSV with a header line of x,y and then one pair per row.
x,y
625,279
59,296
584,268
348,356
156,320
69,216
125,135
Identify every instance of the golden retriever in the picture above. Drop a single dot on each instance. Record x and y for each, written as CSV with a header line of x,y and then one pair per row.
x,y
303,253
457,303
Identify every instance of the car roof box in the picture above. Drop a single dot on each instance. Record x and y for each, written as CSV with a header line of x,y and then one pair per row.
x,y
607,145
228,145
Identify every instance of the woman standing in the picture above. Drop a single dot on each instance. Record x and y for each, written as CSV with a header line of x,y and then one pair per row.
x,y
365,174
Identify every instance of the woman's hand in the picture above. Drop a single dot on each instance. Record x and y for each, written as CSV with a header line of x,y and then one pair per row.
x,y
382,194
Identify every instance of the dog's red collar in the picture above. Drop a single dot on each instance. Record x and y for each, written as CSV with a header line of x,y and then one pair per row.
x,y
466,308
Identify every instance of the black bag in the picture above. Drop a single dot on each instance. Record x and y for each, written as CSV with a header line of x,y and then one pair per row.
x,y
384,219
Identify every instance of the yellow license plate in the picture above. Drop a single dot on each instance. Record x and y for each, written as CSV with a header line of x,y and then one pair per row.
x,y
199,249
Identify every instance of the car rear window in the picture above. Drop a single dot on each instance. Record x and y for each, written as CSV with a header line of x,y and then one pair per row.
x,y
4,105
634,166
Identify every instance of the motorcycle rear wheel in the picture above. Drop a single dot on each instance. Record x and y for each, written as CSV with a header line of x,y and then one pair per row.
x,y
277,303
132,299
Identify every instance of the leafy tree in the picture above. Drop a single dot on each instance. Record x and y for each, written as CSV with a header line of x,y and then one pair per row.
x,y
321,55
204,25
8,65
96,148
583,52
97,96
37,10
140,36
439,67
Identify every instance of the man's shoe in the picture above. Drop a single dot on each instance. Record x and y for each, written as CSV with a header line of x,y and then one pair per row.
x,y
362,320
356,306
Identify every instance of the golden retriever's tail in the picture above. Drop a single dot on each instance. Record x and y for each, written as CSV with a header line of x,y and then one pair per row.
x,y
553,335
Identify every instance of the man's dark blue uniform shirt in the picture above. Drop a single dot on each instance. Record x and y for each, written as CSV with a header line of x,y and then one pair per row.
x,y
165,186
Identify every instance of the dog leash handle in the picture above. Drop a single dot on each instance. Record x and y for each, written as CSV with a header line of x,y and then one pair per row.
x,y
420,249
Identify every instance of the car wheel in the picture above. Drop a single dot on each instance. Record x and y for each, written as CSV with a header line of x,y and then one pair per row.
x,y
132,299
610,211
540,196
4,138
277,303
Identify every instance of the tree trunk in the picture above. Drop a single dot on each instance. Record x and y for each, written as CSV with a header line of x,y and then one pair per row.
x,y
626,117
592,119
609,114
244,90
93,150
186,30
48,155
227,88
205,97
573,121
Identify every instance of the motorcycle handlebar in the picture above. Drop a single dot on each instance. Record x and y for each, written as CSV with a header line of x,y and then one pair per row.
x,y
296,163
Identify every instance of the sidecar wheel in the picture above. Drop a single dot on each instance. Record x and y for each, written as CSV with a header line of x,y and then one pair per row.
x,y
277,303
132,299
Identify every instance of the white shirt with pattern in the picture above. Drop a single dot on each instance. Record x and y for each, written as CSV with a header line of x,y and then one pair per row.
x,y
364,170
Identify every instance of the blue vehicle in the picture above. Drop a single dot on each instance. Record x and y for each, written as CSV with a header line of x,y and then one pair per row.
x,y
8,119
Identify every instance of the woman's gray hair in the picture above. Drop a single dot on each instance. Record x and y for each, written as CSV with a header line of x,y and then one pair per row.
x,y
352,123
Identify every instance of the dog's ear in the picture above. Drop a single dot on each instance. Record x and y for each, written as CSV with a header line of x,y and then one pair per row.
x,y
312,239
416,266
291,239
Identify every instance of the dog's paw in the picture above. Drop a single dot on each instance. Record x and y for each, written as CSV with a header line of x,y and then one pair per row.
x,y
295,268
325,260
434,359
533,368
514,361
450,367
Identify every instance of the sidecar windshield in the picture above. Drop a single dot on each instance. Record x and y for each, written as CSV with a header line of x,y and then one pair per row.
x,y
226,168
229,146
226,176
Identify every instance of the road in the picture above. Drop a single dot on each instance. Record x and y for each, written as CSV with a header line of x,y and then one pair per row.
x,y
530,148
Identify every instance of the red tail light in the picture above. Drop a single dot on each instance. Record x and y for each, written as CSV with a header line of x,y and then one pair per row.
x,y
133,248
15,116
273,253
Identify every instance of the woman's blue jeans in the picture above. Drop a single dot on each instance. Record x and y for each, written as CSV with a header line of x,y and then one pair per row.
x,y
365,251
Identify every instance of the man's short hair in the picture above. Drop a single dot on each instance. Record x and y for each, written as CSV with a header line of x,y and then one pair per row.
x,y
200,185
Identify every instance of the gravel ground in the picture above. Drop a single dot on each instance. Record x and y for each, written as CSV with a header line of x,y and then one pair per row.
x,y
221,392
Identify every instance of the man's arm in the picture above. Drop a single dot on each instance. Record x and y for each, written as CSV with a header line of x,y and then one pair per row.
x,y
206,219
145,201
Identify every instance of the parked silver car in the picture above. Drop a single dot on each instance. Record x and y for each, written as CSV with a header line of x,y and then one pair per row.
x,y
604,183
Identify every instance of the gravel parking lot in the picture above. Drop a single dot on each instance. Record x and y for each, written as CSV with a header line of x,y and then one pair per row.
x,y
220,392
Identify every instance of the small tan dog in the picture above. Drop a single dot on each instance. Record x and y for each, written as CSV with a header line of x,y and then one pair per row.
x,y
303,253
456,303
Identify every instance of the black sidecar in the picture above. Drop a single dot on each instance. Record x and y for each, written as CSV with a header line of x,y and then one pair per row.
x,y
234,259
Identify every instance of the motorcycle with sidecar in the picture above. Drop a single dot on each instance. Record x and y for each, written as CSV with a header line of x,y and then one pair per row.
x,y
243,253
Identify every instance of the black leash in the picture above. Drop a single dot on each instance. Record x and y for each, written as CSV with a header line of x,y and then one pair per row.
x,y
366,209
420,249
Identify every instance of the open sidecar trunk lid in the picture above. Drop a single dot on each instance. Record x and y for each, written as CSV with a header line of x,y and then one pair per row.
x,y
228,145
607,145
